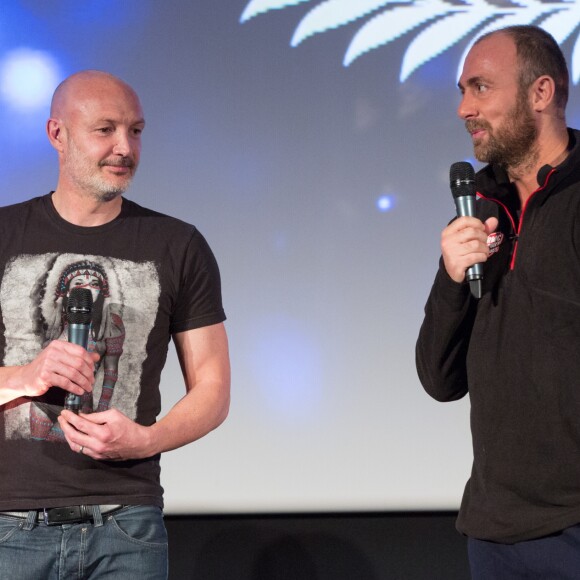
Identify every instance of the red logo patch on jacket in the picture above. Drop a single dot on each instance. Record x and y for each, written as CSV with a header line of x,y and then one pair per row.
x,y
494,241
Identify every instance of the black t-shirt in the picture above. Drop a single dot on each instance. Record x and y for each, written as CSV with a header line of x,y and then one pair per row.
x,y
151,276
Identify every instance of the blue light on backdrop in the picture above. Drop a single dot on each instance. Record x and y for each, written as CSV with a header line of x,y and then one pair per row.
x,y
385,203
285,360
42,43
28,78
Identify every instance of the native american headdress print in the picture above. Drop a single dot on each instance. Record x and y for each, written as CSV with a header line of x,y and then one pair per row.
x,y
32,292
83,268
53,287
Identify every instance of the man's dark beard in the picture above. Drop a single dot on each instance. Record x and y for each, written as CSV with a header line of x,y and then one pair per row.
x,y
513,142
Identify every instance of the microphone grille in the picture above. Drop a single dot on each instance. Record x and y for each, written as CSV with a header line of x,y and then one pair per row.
x,y
462,179
79,309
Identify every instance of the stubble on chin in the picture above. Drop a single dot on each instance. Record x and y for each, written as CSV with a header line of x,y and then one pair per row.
x,y
110,195
511,145
491,152
91,180
104,189
513,151
100,190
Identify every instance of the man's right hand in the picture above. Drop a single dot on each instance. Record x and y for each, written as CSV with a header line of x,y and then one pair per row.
x,y
61,364
464,243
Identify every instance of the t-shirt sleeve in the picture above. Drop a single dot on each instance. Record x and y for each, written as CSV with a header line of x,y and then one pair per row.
x,y
199,301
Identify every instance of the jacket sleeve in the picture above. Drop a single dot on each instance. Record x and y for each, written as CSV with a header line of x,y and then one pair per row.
x,y
441,349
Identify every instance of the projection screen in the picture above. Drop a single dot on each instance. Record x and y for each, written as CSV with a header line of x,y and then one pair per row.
x,y
310,142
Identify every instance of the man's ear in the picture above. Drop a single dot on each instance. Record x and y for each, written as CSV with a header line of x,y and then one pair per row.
x,y
55,133
543,91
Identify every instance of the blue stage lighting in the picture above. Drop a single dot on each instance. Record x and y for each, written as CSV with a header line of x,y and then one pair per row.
x,y
385,203
28,78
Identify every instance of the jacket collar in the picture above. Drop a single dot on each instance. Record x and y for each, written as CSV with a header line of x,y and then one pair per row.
x,y
494,179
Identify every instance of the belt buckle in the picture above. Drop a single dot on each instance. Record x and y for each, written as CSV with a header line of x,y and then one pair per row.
x,y
63,515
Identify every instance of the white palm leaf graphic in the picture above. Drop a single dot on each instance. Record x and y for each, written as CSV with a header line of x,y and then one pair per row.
x,y
392,24
334,13
443,23
256,7
443,34
561,25
531,12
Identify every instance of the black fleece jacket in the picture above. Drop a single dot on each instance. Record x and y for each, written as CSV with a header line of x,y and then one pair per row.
x,y
516,352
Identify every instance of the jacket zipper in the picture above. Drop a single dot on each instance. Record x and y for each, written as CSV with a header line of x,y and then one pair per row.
x,y
519,228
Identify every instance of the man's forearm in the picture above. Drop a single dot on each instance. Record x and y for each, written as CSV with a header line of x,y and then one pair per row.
x,y
200,411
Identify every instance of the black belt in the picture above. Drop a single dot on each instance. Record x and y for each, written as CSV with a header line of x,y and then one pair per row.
x,y
72,514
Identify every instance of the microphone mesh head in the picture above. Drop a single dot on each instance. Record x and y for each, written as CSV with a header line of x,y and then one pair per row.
x,y
462,179
79,309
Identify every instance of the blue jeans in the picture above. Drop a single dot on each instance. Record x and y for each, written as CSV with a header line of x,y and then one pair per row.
x,y
551,557
129,543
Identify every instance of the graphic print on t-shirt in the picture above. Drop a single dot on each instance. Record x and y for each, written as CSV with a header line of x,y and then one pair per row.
x,y
33,296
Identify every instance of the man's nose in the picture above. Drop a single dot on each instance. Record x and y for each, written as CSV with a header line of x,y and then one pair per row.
x,y
466,108
122,144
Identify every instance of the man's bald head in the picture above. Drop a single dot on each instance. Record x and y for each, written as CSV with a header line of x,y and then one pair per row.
x,y
95,124
84,85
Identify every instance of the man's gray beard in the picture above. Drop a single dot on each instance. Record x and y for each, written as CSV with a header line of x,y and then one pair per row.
x,y
100,190
110,193
89,180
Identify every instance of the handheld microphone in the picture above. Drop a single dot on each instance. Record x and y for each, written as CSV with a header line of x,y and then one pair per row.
x,y
79,313
462,181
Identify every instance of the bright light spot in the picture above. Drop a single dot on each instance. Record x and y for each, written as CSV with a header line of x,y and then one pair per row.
x,y
28,78
285,361
385,203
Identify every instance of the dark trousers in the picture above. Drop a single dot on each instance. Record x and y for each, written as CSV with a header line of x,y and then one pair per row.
x,y
555,557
